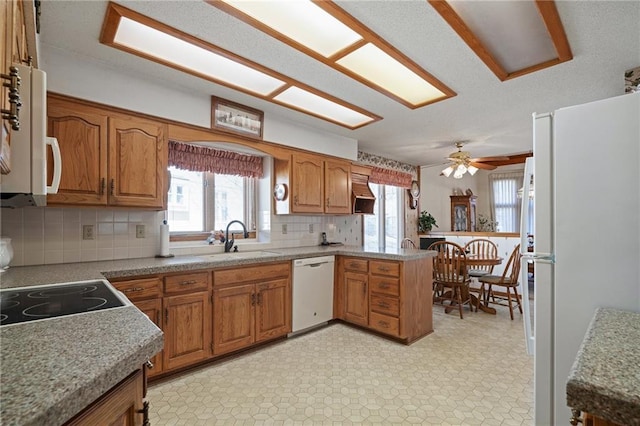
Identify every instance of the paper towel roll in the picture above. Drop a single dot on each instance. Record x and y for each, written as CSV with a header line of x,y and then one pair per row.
x,y
164,240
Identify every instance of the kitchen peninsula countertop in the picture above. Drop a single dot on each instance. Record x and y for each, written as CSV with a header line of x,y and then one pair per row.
x,y
52,369
605,378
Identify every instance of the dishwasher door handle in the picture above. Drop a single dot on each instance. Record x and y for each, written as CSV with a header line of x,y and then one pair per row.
x,y
315,265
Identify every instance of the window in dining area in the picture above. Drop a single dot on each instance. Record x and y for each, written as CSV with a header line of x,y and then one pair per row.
x,y
503,197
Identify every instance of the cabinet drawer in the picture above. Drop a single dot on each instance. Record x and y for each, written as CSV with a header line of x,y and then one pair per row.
x,y
384,323
186,282
381,267
251,273
358,265
143,288
385,304
384,285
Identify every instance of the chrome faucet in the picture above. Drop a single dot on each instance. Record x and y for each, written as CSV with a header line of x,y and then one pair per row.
x,y
228,243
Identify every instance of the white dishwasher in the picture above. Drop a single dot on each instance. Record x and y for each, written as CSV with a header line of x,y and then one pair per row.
x,y
312,292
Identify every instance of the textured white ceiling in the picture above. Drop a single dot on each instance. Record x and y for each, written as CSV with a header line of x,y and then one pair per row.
x,y
494,116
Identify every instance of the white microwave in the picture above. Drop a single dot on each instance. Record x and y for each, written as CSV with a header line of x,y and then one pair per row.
x,y
26,183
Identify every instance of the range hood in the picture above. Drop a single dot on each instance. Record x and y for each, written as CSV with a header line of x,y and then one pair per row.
x,y
362,199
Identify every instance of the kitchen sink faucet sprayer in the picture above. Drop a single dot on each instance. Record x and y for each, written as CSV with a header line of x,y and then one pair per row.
x,y
228,243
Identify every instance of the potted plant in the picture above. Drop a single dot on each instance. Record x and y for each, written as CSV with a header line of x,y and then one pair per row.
x,y
426,222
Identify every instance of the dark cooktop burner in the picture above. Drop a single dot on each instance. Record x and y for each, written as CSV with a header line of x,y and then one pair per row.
x,y
34,303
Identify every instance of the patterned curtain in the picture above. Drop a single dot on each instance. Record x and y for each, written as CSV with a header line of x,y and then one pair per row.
x,y
390,177
202,159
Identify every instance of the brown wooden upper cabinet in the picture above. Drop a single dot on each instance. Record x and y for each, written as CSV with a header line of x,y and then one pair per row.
x,y
108,158
317,184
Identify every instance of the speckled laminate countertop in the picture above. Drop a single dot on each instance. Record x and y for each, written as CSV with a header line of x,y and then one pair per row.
x,y
605,378
52,369
66,272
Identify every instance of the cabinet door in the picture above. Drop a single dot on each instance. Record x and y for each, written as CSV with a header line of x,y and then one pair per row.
x,y
234,318
153,309
187,329
82,135
122,405
337,186
137,162
356,301
273,309
307,186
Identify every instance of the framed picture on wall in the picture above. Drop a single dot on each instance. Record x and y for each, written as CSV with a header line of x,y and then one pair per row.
x,y
235,118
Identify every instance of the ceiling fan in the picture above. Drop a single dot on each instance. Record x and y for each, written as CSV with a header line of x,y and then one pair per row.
x,y
461,163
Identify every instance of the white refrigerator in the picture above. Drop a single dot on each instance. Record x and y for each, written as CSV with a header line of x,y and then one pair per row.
x,y
586,221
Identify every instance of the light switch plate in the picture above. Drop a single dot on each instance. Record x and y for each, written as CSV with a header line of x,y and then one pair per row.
x,y
140,231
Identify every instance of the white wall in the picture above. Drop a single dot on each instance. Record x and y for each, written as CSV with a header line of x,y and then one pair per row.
x,y
84,78
435,191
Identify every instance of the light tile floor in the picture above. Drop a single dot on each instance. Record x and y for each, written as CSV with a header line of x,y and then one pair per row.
x,y
471,371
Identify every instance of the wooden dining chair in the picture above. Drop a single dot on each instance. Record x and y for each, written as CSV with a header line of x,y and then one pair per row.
x,y
508,280
481,249
450,276
407,243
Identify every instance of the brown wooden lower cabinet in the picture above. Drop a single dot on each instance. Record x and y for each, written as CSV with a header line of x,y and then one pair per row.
x,y
250,305
390,297
122,405
187,329
356,303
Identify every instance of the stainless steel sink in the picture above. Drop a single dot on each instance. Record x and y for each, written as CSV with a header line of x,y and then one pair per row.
x,y
240,255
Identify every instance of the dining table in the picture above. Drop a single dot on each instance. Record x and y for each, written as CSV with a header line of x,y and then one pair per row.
x,y
480,300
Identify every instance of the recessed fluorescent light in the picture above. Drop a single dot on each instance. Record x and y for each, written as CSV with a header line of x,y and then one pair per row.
x,y
378,67
352,48
303,22
530,36
169,48
306,101
137,34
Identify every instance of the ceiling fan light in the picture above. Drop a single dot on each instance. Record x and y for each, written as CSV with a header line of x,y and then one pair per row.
x,y
462,169
472,170
447,172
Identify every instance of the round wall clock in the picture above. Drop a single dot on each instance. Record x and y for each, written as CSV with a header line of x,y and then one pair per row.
x,y
414,194
280,191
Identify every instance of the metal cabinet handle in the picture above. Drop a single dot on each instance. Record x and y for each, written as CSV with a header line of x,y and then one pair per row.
x,y
383,269
148,364
328,203
145,414
384,286
103,186
295,200
166,315
133,289
13,113
253,299
384,305
113,186
383,324
575,417
189,282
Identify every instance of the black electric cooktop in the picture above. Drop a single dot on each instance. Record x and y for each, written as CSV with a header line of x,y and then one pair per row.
x,y
41,302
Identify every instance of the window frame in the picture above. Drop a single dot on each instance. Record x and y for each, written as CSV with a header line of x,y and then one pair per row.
x,y
250,194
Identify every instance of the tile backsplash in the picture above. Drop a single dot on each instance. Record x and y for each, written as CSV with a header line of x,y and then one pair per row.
x,y
47,235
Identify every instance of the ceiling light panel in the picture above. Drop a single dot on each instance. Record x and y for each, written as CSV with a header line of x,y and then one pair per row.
x,y
512,38
378,67
165,47
303,22
352,48
137,34
304,100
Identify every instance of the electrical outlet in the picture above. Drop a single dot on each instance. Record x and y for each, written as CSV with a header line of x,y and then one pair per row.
x,y
284,228
140,231
88,232
311,228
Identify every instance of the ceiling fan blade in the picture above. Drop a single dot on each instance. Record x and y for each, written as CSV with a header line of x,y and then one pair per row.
x,y
495,158
482,165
